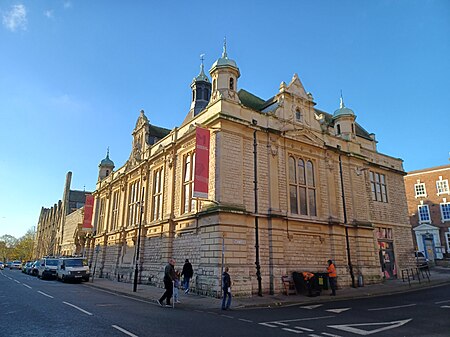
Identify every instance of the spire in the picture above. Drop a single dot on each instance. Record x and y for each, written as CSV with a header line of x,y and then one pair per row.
x,y
107,152
342,105
224,53
202,76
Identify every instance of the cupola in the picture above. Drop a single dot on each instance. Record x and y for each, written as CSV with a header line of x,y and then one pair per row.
x,y
224,75
201,91
344,122
105,167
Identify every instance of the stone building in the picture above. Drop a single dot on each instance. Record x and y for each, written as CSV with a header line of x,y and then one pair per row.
x,y
428,197
289,187
59,227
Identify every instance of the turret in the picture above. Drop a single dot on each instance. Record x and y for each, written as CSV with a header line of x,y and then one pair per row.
x,y
105,167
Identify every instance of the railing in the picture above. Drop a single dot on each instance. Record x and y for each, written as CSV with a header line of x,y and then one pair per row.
x,y
422,272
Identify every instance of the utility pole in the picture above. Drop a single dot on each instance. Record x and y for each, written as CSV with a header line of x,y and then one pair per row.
x,y
136,269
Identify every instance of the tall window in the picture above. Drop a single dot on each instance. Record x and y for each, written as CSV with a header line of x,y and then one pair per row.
x,y
298,116
302,188
188,203
442,186
101,217
134,196
424,214
378,186
231,83
420,190
338,128
445,210
115,210
157,194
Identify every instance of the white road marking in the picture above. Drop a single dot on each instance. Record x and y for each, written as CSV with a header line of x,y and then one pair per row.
x,y
227,316
311,306
304,319
17,281
396,307
313,335
9,277
269,325
26,285
78,308
445,306
292,330
280,323
442,302
245,320
338,311
351,327
124,331
304,329
40,292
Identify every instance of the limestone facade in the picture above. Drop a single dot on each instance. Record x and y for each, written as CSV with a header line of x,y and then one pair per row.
x,y
323,191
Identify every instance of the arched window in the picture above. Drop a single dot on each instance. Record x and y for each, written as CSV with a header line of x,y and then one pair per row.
x,y
302,187
353,128
298,115
231,83
338,129
206,94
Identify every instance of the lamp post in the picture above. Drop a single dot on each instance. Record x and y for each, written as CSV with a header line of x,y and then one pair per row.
x,y
347,240
136,268
255,173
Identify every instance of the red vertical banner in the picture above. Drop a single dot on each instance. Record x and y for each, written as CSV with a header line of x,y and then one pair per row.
x,y
201,169
88,210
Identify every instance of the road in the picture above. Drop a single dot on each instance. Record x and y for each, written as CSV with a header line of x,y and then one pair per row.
x,y
33,307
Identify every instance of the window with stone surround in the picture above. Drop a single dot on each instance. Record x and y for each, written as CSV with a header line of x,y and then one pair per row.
x,y
115,210
302,187
424,214
133,203
188,203
101,216
445,210
442,186
378,186
420,190
298,115
157,194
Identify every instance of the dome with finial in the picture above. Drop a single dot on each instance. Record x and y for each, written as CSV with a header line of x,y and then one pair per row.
x,y
107,162
343,110
224,61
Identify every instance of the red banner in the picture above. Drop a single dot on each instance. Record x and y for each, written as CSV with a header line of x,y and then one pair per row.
x,y
88,209
201,169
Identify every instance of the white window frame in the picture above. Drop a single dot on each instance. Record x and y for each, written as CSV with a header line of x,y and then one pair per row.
x,y
447,239
420,187
442,186
419,207
447,212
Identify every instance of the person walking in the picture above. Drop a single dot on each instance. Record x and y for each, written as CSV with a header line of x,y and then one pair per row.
x,y
176,286
226,287
187,272
169,277
331,269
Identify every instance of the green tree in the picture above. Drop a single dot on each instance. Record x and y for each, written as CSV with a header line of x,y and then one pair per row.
x,y
24,247
7,244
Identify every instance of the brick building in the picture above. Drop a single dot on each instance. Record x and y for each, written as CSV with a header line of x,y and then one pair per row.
x,y
428,197
308,185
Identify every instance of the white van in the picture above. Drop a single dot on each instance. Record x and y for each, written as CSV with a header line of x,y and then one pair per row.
x,y
47,267
72,269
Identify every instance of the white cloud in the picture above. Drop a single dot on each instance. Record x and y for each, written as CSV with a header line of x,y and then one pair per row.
x,y
16,18
49,14
67,4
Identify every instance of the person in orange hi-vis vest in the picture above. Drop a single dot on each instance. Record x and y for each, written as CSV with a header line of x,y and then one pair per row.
x,y
331,269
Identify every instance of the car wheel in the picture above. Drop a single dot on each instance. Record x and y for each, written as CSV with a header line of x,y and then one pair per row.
x,y
63,278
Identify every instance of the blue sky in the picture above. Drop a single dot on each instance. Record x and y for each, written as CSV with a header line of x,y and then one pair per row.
x,y
74,75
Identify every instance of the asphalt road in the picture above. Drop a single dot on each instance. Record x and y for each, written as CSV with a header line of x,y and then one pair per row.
x,y
33,307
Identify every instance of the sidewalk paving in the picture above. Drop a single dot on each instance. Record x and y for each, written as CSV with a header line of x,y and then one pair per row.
x,y
439,276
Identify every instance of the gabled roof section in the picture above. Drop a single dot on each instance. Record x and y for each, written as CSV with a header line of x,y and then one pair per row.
x,y
296,87
156,131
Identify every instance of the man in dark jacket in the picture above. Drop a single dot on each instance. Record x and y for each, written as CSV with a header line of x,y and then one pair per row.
x,y
226,287
169,277
187,272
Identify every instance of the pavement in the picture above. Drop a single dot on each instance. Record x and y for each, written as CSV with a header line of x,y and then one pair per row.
x,y
438,276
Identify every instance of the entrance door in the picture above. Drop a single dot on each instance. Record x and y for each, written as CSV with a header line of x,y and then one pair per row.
x,y
428,244
387,260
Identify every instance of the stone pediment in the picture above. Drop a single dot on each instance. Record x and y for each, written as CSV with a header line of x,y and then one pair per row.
x,y
305,136
425,227
296,88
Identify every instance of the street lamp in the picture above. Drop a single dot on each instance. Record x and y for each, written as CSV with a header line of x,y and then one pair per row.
x,y
136,268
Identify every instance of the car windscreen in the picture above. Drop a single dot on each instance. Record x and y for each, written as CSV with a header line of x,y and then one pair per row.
x,y
51,262
75,263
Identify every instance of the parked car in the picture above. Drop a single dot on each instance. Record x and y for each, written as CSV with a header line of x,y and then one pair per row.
x,y
34,268
421,260
47,268
72,269
2,266
28,266
16,265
